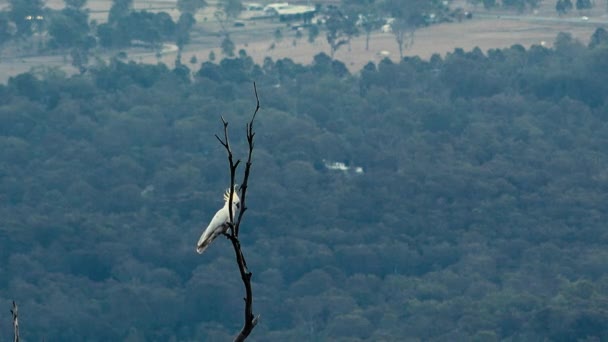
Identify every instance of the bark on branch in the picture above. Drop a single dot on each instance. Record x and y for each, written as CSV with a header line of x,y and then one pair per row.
x,y
15,313
233,232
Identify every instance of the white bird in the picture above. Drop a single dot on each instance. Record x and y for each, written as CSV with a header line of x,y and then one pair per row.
x,y
219,223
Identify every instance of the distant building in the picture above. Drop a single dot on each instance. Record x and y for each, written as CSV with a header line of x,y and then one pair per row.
x,y
339,166
252,6
286,12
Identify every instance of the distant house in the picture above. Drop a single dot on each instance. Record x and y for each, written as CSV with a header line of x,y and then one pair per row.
x,y
286,12
252,6
339,166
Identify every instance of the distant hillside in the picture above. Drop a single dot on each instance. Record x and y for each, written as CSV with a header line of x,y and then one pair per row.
x,y
459,198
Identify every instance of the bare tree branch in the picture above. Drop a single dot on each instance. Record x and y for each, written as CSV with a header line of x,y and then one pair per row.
x,y
250,134
15,313
233,234
233,167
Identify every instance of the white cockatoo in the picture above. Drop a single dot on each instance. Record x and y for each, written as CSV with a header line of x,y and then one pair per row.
x,y
219,223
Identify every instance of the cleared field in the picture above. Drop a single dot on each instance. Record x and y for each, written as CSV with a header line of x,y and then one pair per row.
x,y
491,31
483,33
443,38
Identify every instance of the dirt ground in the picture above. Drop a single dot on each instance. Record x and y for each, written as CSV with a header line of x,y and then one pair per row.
x,y
443,38
495,31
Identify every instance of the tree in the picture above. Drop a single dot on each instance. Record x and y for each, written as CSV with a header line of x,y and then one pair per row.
x,y
228,46
112,36
70,26
563,6
370,21
340,30
116,32
298,36
313,33
80,59
278,35
232,8
120,9
190,6
488,4
404,31
182,29
227,11
234,225
598,38
186,21
583,5
6,31
149,27
26,14
366,14
408,17
519,5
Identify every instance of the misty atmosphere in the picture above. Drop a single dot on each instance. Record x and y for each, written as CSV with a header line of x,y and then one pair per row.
x,y
423,170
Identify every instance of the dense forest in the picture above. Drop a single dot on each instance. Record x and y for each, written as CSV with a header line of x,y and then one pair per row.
x,y
478,212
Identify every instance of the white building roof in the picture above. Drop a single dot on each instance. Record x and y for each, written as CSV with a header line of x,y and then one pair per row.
x,y
285,8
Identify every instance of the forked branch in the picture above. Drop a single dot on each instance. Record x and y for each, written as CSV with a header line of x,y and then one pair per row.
x,y
233,233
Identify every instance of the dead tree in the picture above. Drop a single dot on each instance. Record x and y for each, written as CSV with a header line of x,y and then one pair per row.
x,y
15,313
233,231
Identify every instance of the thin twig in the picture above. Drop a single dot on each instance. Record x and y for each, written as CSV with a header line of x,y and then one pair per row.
x,y
244,184
233,167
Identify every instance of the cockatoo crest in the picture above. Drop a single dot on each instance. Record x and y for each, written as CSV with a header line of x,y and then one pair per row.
x,y
220,222
235,196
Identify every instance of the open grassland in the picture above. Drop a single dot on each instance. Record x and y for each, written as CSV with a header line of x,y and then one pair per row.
x,y
486,31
